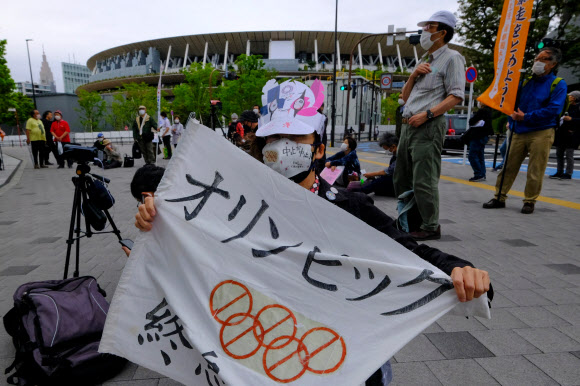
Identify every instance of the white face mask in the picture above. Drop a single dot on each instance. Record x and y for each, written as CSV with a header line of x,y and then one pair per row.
x,y
288,157
344,147
57,118
177,121
539,68
256,111
38,116
426,41
141,112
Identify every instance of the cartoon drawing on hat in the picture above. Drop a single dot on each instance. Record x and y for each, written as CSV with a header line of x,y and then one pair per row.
x,y
289,101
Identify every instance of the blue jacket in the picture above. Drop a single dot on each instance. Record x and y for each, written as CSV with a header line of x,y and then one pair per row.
x,y
541,109
349,161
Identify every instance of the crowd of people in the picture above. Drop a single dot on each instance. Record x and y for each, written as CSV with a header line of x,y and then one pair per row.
x,y
46,135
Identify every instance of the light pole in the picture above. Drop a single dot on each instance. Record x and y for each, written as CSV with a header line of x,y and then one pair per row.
x,y
333,113
31,79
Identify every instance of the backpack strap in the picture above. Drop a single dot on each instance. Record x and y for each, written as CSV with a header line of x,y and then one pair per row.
x,y
554,84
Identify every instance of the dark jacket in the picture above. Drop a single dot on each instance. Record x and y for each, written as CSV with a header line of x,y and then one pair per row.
x,y
148,128
542,108
349,161
47,125
568,135
362,206
483,114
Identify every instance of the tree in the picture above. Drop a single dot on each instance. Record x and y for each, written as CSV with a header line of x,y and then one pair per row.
x,y
389,108
243,93
9,98
193,95
479,23
92,109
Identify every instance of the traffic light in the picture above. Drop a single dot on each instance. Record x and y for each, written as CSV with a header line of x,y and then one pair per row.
x,y
547,42
345,87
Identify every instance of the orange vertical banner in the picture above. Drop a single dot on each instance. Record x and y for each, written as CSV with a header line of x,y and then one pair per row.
x,y
510,46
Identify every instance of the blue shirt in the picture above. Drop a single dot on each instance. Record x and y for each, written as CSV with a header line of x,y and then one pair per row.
x,y
541,108
349,161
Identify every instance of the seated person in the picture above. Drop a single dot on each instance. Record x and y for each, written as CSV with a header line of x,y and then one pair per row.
x,y
114,159
381,182
469,282
99,142
345,157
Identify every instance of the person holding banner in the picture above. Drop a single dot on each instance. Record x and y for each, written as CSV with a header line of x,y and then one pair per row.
x,y
143,132
541,103
270,147
436,85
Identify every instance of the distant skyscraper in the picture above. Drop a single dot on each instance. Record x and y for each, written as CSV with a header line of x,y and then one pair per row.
x,y
74,75
46,77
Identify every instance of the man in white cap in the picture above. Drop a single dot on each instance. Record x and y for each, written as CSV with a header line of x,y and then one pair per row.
x,y
436,85
144,128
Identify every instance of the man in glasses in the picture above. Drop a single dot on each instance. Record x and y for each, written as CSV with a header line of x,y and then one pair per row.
x,y
542,100
436,85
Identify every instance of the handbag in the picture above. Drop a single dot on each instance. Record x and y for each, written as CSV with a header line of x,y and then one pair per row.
x,y
128,162
136,151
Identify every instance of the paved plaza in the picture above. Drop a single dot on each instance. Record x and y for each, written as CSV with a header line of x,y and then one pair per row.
x,y
533,337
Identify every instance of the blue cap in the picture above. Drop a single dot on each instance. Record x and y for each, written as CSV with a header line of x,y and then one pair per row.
x,y
100,135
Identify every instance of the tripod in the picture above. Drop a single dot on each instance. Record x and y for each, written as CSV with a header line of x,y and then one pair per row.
x,y
214,118
80,196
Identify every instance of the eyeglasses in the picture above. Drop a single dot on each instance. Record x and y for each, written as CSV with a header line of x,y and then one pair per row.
x,y
428,26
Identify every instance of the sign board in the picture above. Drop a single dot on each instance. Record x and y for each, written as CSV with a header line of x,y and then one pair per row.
x,y
401,34
471,74
11,109
249,279
390,38
386,80
398,84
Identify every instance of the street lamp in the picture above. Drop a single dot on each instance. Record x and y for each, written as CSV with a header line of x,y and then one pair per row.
x,y
30,67
333,113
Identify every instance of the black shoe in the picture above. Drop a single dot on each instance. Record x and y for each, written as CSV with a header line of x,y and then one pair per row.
x,y
565,176
528,208
48,163
494,204
477,179
556,176
427,235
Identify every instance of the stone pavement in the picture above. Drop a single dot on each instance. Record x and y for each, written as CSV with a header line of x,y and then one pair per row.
x,y
533,337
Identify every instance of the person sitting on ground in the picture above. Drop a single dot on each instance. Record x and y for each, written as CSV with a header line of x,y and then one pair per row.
x,y
345,157
114,159
381,182
469,282
99,142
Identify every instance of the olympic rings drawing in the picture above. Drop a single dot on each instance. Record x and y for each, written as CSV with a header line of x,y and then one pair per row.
x,y
246,334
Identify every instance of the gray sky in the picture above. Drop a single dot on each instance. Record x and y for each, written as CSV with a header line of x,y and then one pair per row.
x,y
84,28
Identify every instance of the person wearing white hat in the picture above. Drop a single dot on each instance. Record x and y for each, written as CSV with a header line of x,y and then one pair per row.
x,y
436,85
290,147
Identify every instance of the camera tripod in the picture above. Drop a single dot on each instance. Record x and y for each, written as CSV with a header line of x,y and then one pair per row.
x,y
214,118
81,195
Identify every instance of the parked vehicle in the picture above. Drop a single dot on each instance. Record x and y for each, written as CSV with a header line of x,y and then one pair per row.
x,y
456,126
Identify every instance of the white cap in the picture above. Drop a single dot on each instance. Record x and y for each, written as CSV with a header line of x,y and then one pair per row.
x,y
444,17
234,116
284,126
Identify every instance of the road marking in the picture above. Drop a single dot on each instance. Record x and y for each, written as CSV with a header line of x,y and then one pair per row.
x,y
549,200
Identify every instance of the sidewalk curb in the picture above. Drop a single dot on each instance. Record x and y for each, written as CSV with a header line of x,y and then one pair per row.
x,y
14,177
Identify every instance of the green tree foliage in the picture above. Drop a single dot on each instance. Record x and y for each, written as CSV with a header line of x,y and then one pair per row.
x,y
10,98
479,23
92,110
243,93
126,102
193,95
389,108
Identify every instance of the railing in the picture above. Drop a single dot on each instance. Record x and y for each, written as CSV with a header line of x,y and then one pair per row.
x,y
85,139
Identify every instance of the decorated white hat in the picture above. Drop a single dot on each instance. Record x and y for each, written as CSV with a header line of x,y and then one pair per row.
x,y
284,125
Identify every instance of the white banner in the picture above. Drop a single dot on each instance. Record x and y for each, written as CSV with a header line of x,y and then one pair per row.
x,y
249,279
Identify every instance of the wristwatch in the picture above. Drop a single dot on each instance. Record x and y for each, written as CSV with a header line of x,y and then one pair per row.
x,y
430,115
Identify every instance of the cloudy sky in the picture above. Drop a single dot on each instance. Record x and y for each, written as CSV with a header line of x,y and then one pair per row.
x,y
80,29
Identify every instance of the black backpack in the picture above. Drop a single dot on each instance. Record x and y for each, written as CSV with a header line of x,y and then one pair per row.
x,y
128,162
54,345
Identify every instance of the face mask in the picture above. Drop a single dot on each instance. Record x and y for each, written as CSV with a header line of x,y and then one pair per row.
x,y
38,116
426,41
288,158
539,68
141,112
343,147
256,111
177,121
57,118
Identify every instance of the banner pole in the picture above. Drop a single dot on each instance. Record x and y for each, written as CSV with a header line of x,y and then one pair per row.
x,y
468,117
